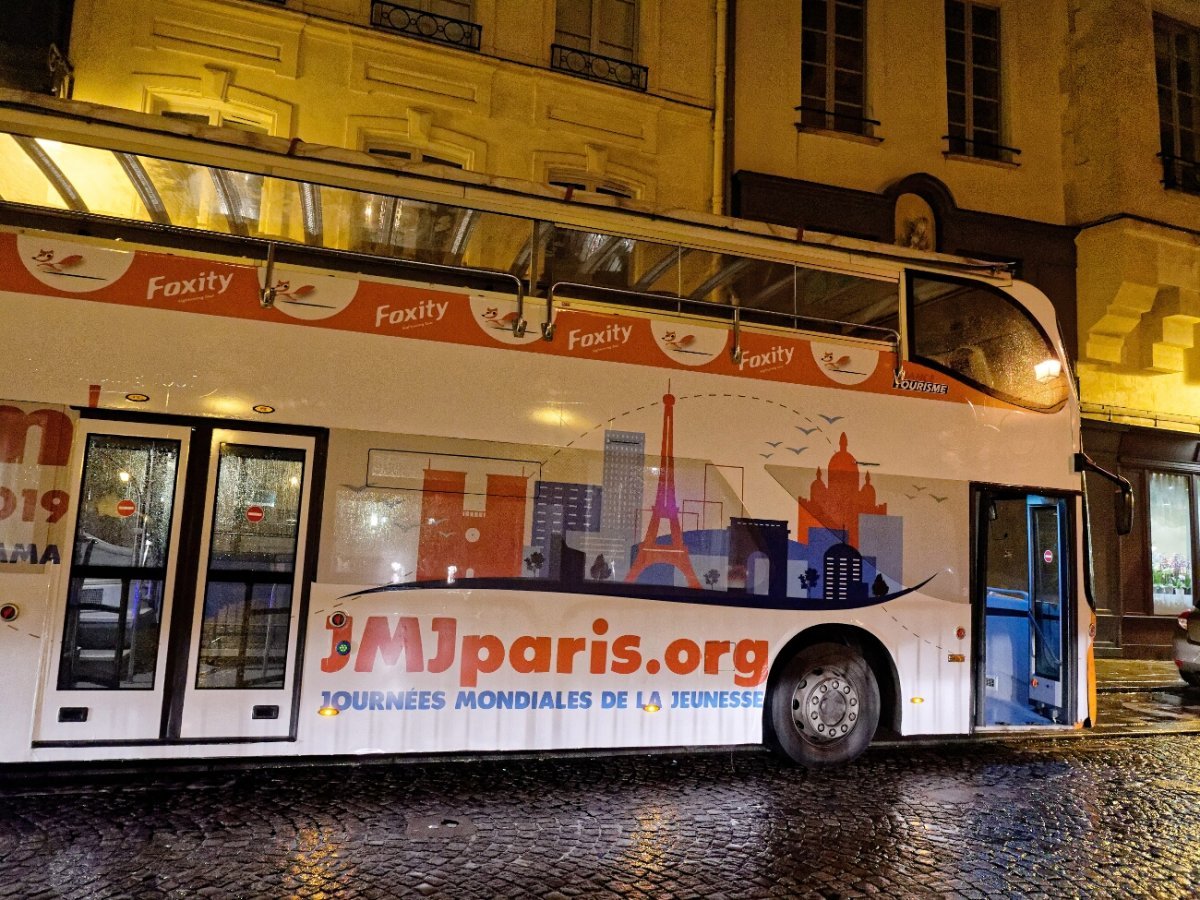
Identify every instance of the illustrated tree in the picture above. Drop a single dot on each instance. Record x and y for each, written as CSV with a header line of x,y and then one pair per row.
x,y
879,586
810,578
601,569
534,561
711,577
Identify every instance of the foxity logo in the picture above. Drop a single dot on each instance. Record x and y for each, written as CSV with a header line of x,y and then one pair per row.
x,y
423,313
207,283
776,356
607,338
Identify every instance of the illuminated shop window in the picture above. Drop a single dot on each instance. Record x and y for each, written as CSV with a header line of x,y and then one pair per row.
x,y
1171,537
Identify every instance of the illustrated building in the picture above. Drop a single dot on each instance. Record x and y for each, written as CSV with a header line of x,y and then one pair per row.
x,y
843,574
837,503
766,539
456,542
559,507
624,465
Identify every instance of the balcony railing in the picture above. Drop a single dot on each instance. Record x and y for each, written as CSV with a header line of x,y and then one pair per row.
x,y
425,26
1180,174
598,68
959,145
835,120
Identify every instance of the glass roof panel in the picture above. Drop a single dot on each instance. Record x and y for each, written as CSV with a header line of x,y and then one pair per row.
x,y
848,298
139,188
99,179
186,192
21,181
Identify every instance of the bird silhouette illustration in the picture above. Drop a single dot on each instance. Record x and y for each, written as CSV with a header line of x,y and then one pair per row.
x,y
832,419
766,455
772,443
937,498
797,450
808,431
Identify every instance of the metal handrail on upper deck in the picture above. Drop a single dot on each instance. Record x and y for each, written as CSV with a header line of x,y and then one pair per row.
x,y
729,310
241,206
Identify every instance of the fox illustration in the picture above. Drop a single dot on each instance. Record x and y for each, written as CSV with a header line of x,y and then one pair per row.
x,y
497,321
45,261
680,343
835,364
284,290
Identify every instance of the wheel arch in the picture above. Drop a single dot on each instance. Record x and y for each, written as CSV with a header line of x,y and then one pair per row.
x,y
872,650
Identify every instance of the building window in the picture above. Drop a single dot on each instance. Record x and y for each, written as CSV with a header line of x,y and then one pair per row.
x,y
597,39
33,47
454,9
833,66
1171,539
222,119
587,184
414,154
973,80
605,27
1177,59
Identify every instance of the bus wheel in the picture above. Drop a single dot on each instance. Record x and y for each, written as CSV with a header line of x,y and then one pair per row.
x,y
825,706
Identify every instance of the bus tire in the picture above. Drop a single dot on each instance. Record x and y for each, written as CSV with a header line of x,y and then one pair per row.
x,y
824,707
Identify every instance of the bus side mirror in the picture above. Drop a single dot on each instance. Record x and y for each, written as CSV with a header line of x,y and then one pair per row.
x,y
1124,500
1124,510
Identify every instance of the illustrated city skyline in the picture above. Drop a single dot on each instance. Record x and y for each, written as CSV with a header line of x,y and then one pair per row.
x,y
846,549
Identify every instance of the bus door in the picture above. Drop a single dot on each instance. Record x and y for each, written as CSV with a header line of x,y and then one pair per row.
x,y
178,619
241,668
1022,598
106,670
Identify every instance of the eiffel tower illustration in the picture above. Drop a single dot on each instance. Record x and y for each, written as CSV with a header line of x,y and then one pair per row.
x,y
650,551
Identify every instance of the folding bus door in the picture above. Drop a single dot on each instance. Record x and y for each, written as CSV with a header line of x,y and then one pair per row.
x,y
1023,610
242,662
106,675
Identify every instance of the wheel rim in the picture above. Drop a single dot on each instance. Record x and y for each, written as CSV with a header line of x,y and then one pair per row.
x,y
825,705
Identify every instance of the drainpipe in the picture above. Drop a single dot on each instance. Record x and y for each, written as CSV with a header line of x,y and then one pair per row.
x,y
720,87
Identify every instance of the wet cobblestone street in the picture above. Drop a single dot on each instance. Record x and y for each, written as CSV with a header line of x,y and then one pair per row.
x,y
1070,817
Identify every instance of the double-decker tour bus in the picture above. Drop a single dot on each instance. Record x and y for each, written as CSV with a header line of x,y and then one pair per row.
x,y
305,453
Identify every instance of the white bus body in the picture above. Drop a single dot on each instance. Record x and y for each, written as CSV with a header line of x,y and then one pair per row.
x,y
360,514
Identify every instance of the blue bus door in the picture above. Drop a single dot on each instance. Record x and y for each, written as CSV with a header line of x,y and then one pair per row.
x,y
1022,580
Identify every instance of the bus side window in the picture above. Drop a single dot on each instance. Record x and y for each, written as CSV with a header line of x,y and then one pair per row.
x,y
980,335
